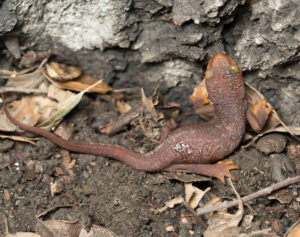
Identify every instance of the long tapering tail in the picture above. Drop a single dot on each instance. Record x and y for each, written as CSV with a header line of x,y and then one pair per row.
x,y
153,161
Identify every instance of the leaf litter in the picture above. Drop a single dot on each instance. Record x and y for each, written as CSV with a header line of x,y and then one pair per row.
x,y
64,102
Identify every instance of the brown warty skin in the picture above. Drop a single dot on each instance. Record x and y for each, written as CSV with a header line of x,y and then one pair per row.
x,y
189,148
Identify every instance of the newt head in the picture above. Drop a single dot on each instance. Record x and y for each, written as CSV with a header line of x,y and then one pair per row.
x,y
223,80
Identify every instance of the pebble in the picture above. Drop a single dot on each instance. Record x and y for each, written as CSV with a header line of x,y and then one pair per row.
x,y
272,143
6,145
281,167
293,151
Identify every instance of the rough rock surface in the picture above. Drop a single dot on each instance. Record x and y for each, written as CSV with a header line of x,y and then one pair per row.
x,y
264,37
142,43
77,24
8,18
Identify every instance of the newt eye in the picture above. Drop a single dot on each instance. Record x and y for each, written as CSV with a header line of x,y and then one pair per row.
x,y
235,68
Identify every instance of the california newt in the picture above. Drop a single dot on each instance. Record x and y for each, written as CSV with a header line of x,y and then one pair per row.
x,y
189,148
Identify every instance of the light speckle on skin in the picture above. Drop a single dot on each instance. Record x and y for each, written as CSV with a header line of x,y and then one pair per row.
x,y
183,148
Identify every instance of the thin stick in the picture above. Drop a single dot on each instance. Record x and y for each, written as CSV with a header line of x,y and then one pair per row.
x,y
6,225
197,218
239,200
247,198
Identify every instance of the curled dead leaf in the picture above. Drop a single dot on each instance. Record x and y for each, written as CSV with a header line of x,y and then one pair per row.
x,y
49,228
223,222
193,195
283,196
123,107
82,83
18,138
62,72
21,110
23,79
171,203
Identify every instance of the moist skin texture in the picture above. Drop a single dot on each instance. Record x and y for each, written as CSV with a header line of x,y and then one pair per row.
x,y
189,148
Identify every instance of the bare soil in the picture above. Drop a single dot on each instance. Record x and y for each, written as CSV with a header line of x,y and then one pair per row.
x,y
110,194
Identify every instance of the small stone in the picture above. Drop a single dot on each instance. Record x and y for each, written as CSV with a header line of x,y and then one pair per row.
x,y
6,195
293,151
17,203
272,143
281,167
6,145
29,174
144,192
170,228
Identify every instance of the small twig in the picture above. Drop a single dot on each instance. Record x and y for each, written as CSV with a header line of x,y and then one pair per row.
x,y
125,90
260,232
6,225
197,218
247,198
22,90
239,200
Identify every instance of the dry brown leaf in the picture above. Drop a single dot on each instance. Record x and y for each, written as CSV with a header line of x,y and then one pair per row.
x,y
62,72
170,228
67,163
222,222
21,110
31,80
247,221
193,195
18,138
123,107
59,94
151,120
212,202
82,83
64,130
54,188
31,109
283,196
12,44
121,123
50,228
22,234
148,104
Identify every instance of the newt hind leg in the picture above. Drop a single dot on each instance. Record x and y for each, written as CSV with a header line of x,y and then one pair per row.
x,y
219,170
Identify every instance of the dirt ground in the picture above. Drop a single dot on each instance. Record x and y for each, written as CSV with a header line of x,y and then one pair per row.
x,y
108,193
